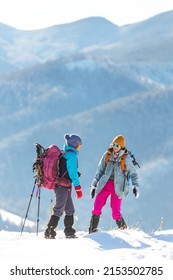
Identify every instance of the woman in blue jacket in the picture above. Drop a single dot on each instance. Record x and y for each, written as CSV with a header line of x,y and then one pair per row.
x,y
68,167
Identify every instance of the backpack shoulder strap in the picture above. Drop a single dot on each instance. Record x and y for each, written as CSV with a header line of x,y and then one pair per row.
x,y
69,150
108,155
122,162
65,152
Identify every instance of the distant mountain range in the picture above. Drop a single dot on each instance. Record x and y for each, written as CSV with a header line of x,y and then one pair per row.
x,y
10,221
96,79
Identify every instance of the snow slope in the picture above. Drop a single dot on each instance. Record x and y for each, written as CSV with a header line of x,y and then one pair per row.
x,y
92,256
12,221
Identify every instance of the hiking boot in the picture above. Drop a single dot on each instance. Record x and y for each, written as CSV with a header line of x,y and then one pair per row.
x,y
49,233
121,223
94,223
71,236
68,223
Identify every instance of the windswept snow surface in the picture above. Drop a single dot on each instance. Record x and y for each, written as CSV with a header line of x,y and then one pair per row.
x,y
127,254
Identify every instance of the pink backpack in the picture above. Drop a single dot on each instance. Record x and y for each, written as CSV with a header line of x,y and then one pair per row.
x,y
46,167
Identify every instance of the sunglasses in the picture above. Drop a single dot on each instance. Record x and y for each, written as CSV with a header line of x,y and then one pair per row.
x,y
117,146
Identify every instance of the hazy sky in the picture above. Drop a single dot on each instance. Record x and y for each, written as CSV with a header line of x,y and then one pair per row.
x,y
36,14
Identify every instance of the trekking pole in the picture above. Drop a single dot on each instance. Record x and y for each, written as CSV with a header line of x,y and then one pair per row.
x,y
38,209
28,209
133,159
51,204
38,181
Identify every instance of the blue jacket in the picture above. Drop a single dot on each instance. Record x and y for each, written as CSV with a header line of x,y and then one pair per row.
x,y
113,166
72,164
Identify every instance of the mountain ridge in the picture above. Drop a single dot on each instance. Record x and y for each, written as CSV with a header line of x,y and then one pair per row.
x,y
39,46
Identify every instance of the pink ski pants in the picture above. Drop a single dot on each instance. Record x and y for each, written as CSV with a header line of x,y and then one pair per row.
x,y
101,198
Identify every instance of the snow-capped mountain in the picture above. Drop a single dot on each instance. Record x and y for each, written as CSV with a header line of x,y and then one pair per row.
x,y
96,79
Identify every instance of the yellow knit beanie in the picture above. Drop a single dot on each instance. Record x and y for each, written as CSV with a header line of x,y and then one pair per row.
x,y
119,139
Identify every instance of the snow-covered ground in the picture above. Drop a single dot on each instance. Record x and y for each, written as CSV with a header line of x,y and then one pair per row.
x,y
127,254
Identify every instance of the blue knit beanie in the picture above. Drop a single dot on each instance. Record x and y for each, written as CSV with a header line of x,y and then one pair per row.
x,y
73,140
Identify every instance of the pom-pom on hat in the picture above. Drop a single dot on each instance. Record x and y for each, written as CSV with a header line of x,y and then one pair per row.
x,y
72,140
119,139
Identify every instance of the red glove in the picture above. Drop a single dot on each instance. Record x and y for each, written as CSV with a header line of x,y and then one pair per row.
x,y
78,190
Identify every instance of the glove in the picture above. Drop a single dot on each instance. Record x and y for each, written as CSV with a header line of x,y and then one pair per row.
x,y
92,191
78,190
136,191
